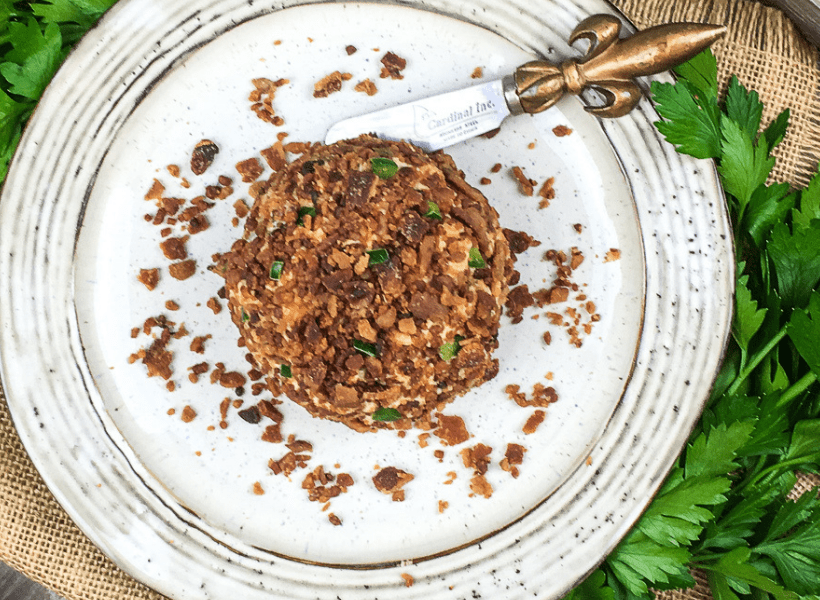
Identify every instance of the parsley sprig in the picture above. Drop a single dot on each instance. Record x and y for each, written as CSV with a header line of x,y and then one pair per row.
x,y
724,508
35,37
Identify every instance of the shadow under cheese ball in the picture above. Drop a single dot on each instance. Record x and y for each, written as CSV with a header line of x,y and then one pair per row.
x,y
369,283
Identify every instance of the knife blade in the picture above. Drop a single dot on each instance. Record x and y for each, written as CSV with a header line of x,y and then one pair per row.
x,y
438,121
610,65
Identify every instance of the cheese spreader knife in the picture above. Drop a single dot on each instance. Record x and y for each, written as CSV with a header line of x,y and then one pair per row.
x,y
609,65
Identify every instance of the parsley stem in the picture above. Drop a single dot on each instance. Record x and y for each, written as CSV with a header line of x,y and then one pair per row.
x,y
769,471
755,360
799,386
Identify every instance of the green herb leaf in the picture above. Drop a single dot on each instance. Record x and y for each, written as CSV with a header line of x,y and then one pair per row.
x,y
245,316
592,588
797,558
304,210
475,260
377,256
804,331
448,351
796,259
366,348
713,453
386,414
693,128
743,166
769,205
809,204
699,74
743,107
276,269
383,167
734,566
285,371
433,211
776,130
34,60
747,318
640,560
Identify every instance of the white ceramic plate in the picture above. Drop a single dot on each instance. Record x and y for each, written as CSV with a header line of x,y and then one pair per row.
x,y
173,503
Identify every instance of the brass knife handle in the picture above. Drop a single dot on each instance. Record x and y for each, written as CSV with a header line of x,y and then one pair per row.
x,y
611,64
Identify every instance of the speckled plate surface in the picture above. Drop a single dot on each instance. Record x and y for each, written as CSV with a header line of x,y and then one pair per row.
x,y
173,503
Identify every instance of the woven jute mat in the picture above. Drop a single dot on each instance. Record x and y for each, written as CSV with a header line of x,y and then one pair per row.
x,y
762,47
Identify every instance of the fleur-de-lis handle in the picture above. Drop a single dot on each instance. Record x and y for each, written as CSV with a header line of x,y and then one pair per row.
x,y
611,63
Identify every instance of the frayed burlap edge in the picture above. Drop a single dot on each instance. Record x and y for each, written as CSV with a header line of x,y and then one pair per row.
x,y
765,51
39,539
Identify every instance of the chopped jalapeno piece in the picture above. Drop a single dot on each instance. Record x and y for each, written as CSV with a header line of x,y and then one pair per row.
x,y
305,210
276,269
433,211
383,167
365,348
386,414
378,256
284,371
475,260
245,316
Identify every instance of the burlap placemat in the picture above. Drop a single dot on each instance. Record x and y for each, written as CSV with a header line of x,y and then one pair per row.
x,y
762,48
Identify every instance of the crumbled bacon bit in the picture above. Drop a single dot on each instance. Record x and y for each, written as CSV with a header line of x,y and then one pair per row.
x,y
393,66
477,73
512,457
182,270
485,181
203,156
408,579
547,192
612,254
174,248
547,338
524,184
214,305
261,99
480,485
439,454
149,278
578,227
442,506
173,170
198,343
334,519
241,209
495,168
156,191
257,489
171,412
451,430
170,386
477,458
171,305
561,130
367,86
275,156
534,421
330,84
350,49
391,480
188,414
531,146
231,379
589,460
422,438
250,169
135,331
518,299
272,434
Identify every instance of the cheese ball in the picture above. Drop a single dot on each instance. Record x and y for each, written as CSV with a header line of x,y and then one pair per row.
x,y
369,283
